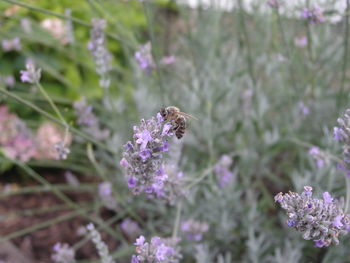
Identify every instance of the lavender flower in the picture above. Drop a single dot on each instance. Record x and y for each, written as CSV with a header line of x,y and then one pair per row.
x,y
71,179
63,253
31,75
88,121
342,134
194,230
130,228
313,15
100,54
11,44
318,156
61,150
101,247
106,194
321,220
159,250
143,158
222,170
274,3
303,109
301,41
168,60
144,58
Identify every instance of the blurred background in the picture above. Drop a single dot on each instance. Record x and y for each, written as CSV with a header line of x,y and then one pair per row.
x,y
267,81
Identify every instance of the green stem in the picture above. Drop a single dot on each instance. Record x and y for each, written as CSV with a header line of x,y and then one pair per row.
x,y
52,104
247,41
41,225
285,44
48,115
153,51
177,219
40,189
345,56
65,199
347,181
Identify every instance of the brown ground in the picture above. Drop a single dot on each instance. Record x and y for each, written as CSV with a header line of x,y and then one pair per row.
x,y
37,245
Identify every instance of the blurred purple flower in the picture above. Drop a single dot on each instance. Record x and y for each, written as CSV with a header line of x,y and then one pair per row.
x,y
313,15
31,74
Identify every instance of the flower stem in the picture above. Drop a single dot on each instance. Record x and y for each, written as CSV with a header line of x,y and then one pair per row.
x,y
347,181
177,219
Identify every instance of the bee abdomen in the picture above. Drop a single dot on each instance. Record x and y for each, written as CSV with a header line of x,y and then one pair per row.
x,y
179,133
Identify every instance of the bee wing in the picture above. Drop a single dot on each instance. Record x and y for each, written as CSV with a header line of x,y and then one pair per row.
x,y
188,115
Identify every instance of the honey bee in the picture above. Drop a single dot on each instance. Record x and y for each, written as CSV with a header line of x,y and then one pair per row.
x,y
178,119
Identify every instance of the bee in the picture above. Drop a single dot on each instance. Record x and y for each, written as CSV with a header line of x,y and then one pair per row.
x,y
178,119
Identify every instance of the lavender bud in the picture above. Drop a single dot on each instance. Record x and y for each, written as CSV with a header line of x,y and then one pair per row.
x,y
61,150
143,161
158,250
194,230
63,253
313,15
144,58
322,220
31,75
100,54
101,247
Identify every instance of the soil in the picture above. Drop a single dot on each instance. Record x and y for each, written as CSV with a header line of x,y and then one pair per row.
x,y
36,246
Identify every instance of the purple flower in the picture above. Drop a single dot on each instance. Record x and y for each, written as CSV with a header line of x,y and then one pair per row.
x,y
134,259
320,243
132,182
11,44
167,129
291,223
63,253
327,198
144,162
337,134
160,250
322,220
124,162
143,138
222,170
31,75
313,15
301,41
168,60
145,154
194,230
273,3
140,241
102,57
144,58
318,156
337,222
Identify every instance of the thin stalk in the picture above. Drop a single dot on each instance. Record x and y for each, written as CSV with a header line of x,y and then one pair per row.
x,y
41,189
52,104
42,225
49,116
62,16
68,201
177,219
39,211
346,44
153,50
249,56
285,44
347,181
